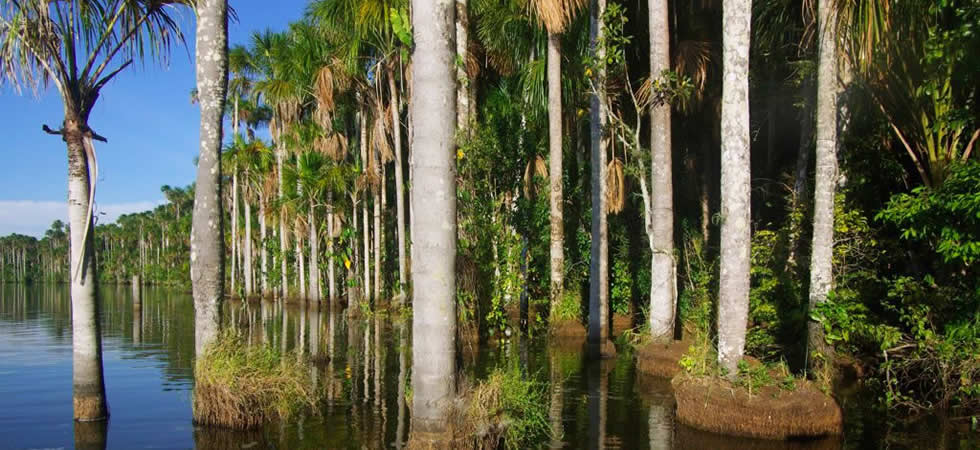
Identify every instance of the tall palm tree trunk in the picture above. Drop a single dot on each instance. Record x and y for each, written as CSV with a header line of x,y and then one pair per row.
x,y
301,272
434,228
399,185
283,239
366,268
736,239
234,230
207,242
599,265
247,264
88,384
821,256
555,169
462,81
663,279
377,241
331,280
314,291
263,247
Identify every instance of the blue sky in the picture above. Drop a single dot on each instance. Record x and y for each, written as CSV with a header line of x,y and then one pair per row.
x,y
145,113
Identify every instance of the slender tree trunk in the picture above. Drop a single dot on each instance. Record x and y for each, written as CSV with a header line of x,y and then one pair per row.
x,y
247,266
234,230
314,291
283,240
822,253
663,278
599,344
263,246
207,229
399,186
462,80
366,268
736,238
434,232
302,269
377,241
331,281
555,173
88,384
356,261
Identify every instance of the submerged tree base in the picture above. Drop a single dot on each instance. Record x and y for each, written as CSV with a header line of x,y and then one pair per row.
x,y
718,406
89,407
241,386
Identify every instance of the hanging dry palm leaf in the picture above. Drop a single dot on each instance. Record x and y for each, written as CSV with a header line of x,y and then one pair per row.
x,y
537,167
338,223
556,15
336,147
323,88
615,186
379,134
323,117
694,60
474,53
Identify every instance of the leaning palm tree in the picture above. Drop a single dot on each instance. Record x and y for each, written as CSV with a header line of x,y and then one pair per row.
x,y
79,46
733,283
434,225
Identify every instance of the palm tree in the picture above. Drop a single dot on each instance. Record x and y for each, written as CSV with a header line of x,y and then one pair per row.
x,y
822,252
733,283
663,277
434,201
207,230
556,16
79,46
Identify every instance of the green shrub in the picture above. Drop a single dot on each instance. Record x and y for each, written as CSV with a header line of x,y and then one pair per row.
x,y
242,386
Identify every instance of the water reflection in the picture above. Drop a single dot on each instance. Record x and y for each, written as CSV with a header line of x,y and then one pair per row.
x,y
90,435
361,360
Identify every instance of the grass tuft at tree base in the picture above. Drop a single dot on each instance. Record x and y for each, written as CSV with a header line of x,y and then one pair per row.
x,y
242,386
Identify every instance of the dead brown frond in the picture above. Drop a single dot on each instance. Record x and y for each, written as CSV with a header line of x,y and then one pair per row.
x,y
535,168
474,53
380,133
556,15
323,88
693,60
615,186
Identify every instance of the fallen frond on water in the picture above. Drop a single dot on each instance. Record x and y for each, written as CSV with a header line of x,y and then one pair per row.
x,y
243,386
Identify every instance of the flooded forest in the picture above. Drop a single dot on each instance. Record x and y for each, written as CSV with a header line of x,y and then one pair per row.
x,y
482,224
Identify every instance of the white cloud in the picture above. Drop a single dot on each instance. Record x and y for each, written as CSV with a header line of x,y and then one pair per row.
x,y
33,218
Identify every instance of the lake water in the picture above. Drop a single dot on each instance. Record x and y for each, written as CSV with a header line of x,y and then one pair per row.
x,y
149,353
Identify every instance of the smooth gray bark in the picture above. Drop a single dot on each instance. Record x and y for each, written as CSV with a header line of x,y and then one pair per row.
x,y
283,240
88,383
434,228
555,172
247,263
366,267
207,228
314,290
599,265
663,279
234,230
263,247
399,186
825,179
733,282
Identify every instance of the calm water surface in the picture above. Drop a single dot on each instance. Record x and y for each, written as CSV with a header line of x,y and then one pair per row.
x,y
364,365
